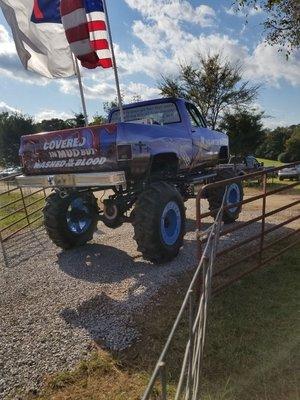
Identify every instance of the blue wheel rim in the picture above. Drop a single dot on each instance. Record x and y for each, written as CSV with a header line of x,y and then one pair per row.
x,y
233,196
78,216
170,223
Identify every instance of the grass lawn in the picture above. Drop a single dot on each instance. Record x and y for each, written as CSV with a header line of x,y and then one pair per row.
x,y
270,163
252,349
5,213
273,183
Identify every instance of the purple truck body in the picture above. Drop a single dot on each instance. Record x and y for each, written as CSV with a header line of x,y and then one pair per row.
x,y
168,126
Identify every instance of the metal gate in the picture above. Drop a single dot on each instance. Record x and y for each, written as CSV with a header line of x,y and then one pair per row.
x,y
202,286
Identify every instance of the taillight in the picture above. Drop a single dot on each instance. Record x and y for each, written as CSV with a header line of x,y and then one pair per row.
x,y
124,152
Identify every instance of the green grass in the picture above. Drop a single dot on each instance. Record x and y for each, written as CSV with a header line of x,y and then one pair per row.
x,y
252,348
270,163
253,337
274,182
13,212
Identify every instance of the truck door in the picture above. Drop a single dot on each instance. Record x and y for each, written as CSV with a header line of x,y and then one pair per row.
x,y
202,137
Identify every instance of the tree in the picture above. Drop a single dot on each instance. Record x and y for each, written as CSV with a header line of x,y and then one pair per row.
x,y
245,130
98,120
12,127
274,143
282,24
292,146
281,141
79,120
215,86
109,105
54,124
283,157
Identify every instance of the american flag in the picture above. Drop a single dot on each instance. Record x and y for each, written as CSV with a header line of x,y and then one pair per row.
x,y
86,31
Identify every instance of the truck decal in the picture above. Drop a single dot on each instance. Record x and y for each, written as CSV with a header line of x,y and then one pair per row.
x,y
81,162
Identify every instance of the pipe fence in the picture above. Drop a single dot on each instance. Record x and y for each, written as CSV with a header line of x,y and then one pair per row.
x,y
259,256
202,287
194,309
19,208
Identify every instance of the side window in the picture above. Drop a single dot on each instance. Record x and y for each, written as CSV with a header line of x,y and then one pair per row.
x,y
195,117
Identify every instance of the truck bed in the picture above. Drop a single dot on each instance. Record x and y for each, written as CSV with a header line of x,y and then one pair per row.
x,y
91,149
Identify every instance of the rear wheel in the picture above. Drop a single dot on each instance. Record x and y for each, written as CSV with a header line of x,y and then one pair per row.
x,y
159,223
71,221
234,194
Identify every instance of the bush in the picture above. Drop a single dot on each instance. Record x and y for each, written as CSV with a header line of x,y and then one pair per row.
x,y
12,127
284,157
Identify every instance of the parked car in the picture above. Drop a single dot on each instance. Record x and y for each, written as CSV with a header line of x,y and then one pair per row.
x,y
246,165
10,171
289,173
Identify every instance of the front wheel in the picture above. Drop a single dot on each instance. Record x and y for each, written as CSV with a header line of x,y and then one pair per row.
x,y
70,221
159,223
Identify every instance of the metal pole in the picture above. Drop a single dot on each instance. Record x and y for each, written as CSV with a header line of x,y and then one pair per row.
x,y
263,221
24,205
78,74
163,380
114,62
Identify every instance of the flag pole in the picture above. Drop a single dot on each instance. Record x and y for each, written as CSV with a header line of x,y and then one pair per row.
x,y
114,63
78,74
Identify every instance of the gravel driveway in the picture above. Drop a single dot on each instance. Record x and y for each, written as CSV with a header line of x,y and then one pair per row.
x,y
53,304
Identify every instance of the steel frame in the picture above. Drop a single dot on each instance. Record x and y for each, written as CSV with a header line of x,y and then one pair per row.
x,y
258,254
24,208
195,303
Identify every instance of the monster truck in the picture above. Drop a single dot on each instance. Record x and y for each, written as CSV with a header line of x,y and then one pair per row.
x,y
152,163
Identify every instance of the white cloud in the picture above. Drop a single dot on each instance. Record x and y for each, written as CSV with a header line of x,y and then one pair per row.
x,y
176,10
268,64
245,12
106,91
167,43
6,43
6,108
49,114
272,123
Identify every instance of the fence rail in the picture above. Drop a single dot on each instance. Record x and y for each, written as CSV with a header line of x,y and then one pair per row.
x,y
202,285
194,307
21,210
257,256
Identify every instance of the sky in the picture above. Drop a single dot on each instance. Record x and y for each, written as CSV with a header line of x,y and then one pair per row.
x,y
151,38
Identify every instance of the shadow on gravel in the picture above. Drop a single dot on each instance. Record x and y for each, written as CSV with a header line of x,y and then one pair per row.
x,y
107,322
100,263
24,246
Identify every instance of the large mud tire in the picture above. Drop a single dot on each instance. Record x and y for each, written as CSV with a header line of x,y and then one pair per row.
x,y
235,193
71,221
159,223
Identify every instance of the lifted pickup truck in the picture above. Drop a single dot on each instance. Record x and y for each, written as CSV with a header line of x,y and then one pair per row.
x,y
152,162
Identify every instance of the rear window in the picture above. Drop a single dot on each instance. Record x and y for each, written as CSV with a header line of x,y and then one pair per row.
x,y
159,114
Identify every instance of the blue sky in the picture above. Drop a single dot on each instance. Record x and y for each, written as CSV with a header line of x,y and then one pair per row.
x,y
151,37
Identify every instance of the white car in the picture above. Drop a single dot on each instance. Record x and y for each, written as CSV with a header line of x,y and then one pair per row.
x,y
289,173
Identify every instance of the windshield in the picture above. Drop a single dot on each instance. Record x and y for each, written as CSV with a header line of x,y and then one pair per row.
x,y
158,114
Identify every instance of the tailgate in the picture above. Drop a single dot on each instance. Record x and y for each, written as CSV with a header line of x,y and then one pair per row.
x,y
73,150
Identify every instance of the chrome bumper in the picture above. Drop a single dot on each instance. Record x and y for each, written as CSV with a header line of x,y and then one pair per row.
x,y
100,179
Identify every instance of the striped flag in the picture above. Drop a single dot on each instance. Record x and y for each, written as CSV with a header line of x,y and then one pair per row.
x,y
85,25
